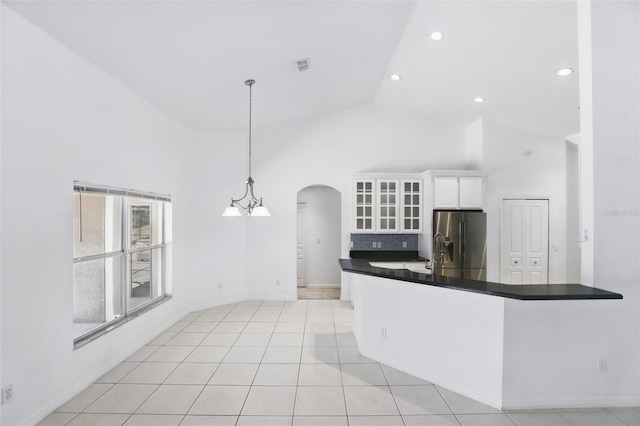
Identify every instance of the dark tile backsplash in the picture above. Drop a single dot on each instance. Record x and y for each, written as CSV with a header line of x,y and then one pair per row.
x,y
384,242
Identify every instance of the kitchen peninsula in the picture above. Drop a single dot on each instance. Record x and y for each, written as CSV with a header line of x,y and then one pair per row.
x,y
509,346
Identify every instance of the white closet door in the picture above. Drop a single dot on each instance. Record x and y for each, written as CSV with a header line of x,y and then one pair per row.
x,y
525,242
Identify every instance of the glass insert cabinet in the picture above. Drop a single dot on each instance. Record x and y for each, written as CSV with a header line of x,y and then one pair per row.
x,y
387,204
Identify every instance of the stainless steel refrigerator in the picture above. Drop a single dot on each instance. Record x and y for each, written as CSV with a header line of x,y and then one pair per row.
x,y
462,250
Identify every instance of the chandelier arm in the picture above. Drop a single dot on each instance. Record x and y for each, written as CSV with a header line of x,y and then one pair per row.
x,y
242,207
253,197
246,191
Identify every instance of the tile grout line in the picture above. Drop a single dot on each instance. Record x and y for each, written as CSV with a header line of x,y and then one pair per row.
x,y
295,396
447,404
205,385
158,387
395,401
208,380
259,364
344,394
254,376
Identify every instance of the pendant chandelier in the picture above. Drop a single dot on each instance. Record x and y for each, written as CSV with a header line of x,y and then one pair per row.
x,y
253,205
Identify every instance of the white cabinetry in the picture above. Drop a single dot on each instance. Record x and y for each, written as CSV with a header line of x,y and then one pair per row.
x,y
388,204
471,192
363,204
445,192
453,192
387,207
411,200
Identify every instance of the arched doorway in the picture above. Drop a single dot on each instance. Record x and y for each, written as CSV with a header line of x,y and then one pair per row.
x,y
318,242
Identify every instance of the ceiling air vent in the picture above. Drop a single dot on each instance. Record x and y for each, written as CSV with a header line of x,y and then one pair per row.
x,y
302,64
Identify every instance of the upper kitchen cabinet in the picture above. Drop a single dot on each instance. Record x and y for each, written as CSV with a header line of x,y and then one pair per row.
x,y
445,192
387,203
458,190
387,206
411,205
471,192
363,204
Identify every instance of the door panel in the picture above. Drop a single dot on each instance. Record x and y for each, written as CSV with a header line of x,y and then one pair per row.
x,y
516,216
448,224
534,231
512,242
474,239
516,277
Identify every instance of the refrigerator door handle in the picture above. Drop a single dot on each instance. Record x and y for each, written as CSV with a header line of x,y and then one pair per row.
x,y
462,241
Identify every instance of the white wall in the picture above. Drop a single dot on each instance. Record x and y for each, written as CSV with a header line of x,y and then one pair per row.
x,y
512,174
325,151
551,353
585,153
64,120
1,132
473,145
323,207
216,249
609,125
573,212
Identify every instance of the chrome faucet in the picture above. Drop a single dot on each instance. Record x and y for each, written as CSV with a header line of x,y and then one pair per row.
x,y
438,258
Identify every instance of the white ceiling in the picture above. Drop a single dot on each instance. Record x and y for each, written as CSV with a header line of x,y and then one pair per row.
x,y
191,58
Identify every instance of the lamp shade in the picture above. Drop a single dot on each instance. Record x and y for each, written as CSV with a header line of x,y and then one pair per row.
x,y
260,211
231,211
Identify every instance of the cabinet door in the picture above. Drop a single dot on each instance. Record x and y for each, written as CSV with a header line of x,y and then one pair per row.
x,y
411,205
387,206
364,193
471,192
445,192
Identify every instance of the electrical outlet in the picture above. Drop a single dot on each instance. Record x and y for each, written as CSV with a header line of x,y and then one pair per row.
x,y
219,286
7,394
379,244
404,244
374,244
602,366
383,331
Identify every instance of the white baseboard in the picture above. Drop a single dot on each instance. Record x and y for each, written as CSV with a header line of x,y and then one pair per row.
x,y
609,402
322,286
217,303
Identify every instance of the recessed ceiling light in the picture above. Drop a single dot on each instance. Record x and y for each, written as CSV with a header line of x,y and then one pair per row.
x,y
563,72
478,99
395,77
436,35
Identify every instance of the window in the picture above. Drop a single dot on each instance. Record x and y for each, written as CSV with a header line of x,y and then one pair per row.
x,y
121,257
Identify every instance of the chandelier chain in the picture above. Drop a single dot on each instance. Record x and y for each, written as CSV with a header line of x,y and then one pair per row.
x,y
250,84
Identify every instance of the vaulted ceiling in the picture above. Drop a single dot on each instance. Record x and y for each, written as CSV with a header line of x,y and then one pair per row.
x,y
191,58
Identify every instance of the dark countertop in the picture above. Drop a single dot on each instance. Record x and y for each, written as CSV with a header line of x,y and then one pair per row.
x,y
521,291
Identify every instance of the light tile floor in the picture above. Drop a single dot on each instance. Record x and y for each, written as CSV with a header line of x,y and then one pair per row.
x,y
283,363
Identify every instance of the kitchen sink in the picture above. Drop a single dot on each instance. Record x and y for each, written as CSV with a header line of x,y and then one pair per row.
x,y
413,266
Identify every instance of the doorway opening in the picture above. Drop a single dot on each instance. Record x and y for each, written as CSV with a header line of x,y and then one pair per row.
x,y
318,242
